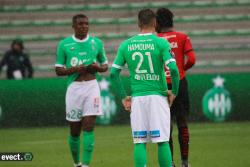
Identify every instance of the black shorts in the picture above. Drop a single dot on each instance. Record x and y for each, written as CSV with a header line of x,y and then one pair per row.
x,y
181,106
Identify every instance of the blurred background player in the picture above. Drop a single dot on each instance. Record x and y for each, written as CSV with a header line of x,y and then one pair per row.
x,y
17,62
185,59
146,55
76,58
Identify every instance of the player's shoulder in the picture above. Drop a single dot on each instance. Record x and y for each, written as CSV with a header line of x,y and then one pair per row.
x,y
96,39
65,40
9,52
180,34
125,42
161,41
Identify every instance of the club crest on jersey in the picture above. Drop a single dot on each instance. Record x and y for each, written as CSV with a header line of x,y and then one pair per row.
x,y
72,48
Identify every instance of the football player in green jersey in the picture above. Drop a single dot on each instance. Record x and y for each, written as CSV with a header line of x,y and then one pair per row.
x,y
146,55
80,57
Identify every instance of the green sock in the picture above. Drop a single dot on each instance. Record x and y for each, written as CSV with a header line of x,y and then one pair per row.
x,y
74,145
164,155
140,155
88,146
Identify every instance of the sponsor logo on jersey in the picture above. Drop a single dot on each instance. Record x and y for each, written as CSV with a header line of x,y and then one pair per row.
x,y
74,61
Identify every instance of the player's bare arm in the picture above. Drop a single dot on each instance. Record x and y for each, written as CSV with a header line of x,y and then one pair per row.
x,y
62,71
93,68
190,60
170,97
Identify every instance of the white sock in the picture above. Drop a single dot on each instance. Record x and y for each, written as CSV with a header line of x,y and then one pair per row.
x,y
79,164
85,166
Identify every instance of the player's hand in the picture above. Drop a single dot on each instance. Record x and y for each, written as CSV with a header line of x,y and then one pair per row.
x,y
171,97
81,69
93,68
127,103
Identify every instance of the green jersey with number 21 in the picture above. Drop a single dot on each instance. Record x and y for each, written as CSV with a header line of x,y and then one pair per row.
x,y
145,55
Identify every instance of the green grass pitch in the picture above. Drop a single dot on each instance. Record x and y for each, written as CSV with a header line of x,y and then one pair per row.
x,y
211,145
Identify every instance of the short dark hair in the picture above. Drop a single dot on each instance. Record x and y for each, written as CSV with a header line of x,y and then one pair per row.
x,y
164,18
75,17
17,42
146,17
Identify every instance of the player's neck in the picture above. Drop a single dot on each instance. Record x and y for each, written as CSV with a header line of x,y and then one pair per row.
x,y
147,30
169,29
80,37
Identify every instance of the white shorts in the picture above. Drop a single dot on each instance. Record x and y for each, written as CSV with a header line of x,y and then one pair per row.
x,y
150,119
82,99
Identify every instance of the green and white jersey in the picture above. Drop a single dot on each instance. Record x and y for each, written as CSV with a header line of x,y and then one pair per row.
x,y
73,52
145,55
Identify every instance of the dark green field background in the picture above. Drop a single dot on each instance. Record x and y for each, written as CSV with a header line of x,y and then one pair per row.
x,y
40,102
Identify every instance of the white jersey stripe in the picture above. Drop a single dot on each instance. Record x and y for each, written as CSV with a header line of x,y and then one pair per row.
x,y
59,65
105,62
117,66
169,61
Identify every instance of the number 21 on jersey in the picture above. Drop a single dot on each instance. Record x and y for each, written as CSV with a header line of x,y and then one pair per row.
x,y
138,69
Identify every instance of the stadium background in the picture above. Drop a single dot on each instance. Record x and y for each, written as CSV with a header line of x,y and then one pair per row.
x,y
220,34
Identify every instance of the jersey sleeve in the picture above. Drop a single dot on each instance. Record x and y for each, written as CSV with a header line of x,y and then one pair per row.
x,y
60,55
119,61
188,45
189,52
101,57
167,54
169,62
117,66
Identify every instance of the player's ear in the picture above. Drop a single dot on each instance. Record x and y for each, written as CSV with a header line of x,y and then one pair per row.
x,y
154,24
139,25
157,27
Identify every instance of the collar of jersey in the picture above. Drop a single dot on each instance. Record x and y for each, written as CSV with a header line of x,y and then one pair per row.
x,y
78,40
145,34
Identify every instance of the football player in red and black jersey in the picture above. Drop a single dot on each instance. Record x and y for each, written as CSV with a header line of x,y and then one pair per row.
x,y
185,58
